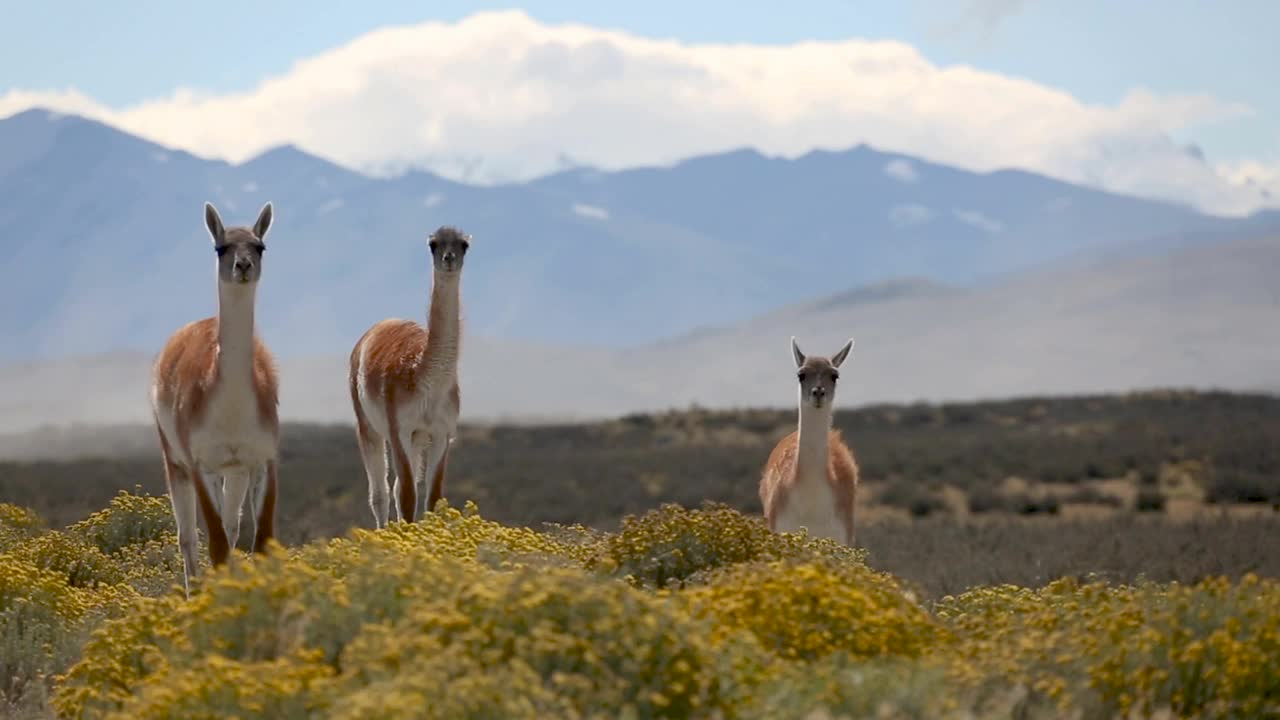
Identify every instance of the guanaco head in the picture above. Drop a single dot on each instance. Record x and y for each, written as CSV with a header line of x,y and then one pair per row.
x,y
818,375
448,248
239,248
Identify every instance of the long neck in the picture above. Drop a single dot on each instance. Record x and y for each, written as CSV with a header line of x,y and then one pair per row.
x,y
235,331
813,437
443,323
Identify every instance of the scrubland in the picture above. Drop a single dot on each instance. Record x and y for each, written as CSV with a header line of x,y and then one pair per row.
x,y
1111,556
678,613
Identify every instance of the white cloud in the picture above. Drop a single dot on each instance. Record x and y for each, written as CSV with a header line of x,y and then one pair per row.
x,y
901,170
433,199
978,220
500,95
909,215
1263,176
329,206
590,211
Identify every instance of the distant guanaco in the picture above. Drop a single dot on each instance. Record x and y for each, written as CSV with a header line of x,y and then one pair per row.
x,y
214,397
404,389
811,479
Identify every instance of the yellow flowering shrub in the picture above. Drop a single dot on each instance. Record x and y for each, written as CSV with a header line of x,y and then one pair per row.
x,y
466,535
671,545
216,687
1210,649
83,564
17,524
129,519
809,609
448,683
681,613
39,612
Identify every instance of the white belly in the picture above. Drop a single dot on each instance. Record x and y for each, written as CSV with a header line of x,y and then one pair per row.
x,y
230,435
428,414
810,504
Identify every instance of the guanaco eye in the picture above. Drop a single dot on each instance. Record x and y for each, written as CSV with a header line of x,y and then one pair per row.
x,y
432,246
801,376
835,376
221,250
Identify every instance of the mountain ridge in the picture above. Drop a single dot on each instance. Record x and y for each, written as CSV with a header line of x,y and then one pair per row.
x,y
106,228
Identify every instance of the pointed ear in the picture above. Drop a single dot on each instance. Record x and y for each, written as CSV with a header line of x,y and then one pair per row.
x,y
263,224
213,223
844,353
795,352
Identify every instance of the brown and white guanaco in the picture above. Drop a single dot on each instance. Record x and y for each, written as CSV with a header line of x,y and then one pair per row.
x,y
404,389
810,479
214,398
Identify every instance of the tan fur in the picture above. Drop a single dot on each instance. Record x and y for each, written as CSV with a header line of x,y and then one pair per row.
x,y
779,478
810,479
402,372
207,419
186,371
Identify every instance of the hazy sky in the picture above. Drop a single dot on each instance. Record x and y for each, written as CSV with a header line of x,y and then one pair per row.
x,y
1107,93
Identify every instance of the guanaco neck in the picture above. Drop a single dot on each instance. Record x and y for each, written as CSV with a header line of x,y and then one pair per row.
x,y
813,437
235,332
443,325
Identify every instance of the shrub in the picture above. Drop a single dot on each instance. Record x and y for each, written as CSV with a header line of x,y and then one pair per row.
x,y
128,520
1149,499
913,498
670,545
215,686
984,499
1089,495
809,609
17,524
1226,486
82,564
1208,649
38,611
1025,504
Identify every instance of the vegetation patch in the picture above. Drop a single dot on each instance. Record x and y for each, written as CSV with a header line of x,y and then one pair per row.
x,y
680,613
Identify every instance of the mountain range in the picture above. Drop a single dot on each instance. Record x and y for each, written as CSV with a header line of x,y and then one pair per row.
x,y
591,292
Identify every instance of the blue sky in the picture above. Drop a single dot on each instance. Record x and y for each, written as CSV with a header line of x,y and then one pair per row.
x,y
1096,50
1169,100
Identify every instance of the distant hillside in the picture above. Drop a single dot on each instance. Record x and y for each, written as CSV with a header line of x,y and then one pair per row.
x,y
1200,316
105,232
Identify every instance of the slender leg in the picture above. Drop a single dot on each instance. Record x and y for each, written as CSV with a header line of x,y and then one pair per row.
x,y
183,496
235,485
437,461
406,477
373,451
267,515
218,548
256,486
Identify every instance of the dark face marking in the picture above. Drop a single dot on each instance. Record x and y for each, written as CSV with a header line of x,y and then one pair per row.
x,y
818,378
818,375
240,257
448,249
239,249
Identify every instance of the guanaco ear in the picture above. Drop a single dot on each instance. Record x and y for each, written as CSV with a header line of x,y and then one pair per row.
x,y
214,223
844,353
795,352
263,224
